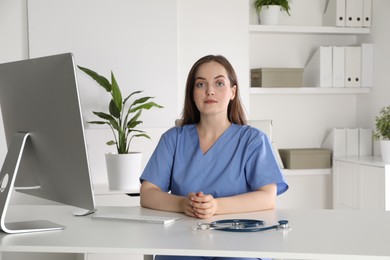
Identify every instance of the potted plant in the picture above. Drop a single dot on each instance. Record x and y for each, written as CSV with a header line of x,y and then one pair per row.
x,y
268,10
382,132
123,167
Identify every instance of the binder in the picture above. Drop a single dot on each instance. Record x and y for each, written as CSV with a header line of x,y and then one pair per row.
x,y
318,70
353,66
338,67
334,14
352,142
367,13
354,13
367,65
365,142
337,142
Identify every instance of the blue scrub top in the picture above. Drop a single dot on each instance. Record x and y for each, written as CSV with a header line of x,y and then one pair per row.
x,y
240,161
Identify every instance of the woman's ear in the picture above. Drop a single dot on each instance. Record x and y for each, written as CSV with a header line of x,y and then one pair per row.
x,y
234,88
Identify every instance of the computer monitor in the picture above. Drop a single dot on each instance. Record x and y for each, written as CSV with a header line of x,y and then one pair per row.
x,y
43,126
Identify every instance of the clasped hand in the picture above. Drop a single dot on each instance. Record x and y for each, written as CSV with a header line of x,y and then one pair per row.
x,y
200,205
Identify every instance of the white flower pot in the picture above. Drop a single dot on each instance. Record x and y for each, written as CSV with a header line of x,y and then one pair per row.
x,y
385,150
123,171
269,14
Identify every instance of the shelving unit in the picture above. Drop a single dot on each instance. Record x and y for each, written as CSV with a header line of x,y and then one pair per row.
x,y
307,29
305,91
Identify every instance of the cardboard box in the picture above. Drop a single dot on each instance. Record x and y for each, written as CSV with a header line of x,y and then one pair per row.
x,y
306,158
277,77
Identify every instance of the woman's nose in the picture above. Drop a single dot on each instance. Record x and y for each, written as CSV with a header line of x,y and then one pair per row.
x,y
210,90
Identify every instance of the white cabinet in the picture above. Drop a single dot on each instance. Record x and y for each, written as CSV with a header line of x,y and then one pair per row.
x,y
361,183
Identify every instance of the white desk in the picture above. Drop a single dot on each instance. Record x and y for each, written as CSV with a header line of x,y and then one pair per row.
x,y
315,234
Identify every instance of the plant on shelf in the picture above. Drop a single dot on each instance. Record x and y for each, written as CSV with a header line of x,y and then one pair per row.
x,y
122,118
284,4
382,124
382,132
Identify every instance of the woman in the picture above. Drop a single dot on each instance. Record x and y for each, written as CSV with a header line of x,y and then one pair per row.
x,y
213,163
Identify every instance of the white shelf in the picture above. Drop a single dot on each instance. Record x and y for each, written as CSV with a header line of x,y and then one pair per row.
x,y
364,160
306,172
308,29
305,91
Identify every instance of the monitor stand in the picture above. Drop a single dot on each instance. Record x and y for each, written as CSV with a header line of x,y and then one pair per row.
x,y
7,181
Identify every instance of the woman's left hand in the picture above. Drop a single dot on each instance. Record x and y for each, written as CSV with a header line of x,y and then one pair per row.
x,y
204,205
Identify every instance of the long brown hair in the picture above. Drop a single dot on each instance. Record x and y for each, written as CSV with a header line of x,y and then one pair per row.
x,y
191,114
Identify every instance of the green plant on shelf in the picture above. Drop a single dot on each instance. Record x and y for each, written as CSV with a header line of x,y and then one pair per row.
x,y
123,117
284,4
382,124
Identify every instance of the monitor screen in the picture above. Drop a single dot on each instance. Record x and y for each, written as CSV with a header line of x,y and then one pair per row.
x,y
43,126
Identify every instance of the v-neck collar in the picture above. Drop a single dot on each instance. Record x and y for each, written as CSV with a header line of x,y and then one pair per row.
x,y
215,145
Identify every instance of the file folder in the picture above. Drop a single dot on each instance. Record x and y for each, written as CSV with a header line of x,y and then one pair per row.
x,y
353,66
365,142
367,13
337,142
352,142
354,13
334,14
318,70
367,65
338,68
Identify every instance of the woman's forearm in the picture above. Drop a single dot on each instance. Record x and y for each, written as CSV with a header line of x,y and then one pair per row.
x,y
152,197
262,199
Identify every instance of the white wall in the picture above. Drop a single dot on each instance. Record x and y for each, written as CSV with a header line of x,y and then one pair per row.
x,y
214,27
13,42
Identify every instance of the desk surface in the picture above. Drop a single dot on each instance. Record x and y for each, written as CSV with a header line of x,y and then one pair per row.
x,y
315,234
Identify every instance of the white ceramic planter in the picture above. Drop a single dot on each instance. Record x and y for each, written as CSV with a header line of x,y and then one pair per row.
x,y
123,171
385,150
269,15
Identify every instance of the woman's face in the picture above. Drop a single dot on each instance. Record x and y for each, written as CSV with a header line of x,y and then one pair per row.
x,y
212,90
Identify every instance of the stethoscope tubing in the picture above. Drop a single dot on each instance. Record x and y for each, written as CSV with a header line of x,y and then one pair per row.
x,y
240,225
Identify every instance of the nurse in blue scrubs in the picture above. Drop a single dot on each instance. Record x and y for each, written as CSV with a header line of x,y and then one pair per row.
x,y
213,163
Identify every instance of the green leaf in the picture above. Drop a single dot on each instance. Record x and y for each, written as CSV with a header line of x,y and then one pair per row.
x,y
112,142
148,106
114,110
111,120
134,119
116,93
133,124
104,115
102,81
141,100
115,124
129,96
142,135
97,122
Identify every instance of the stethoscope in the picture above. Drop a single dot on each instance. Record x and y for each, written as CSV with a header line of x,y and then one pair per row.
x,y
240,225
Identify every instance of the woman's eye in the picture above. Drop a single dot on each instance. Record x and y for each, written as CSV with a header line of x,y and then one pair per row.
x,y
220,84
199,84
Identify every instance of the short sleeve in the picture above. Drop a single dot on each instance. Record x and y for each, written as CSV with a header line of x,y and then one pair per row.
x,y
159,167
262,167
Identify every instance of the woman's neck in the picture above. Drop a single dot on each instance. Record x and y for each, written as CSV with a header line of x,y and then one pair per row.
x,y
212,128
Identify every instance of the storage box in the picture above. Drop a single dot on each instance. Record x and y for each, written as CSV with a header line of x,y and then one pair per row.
x,y
306,158
277,77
